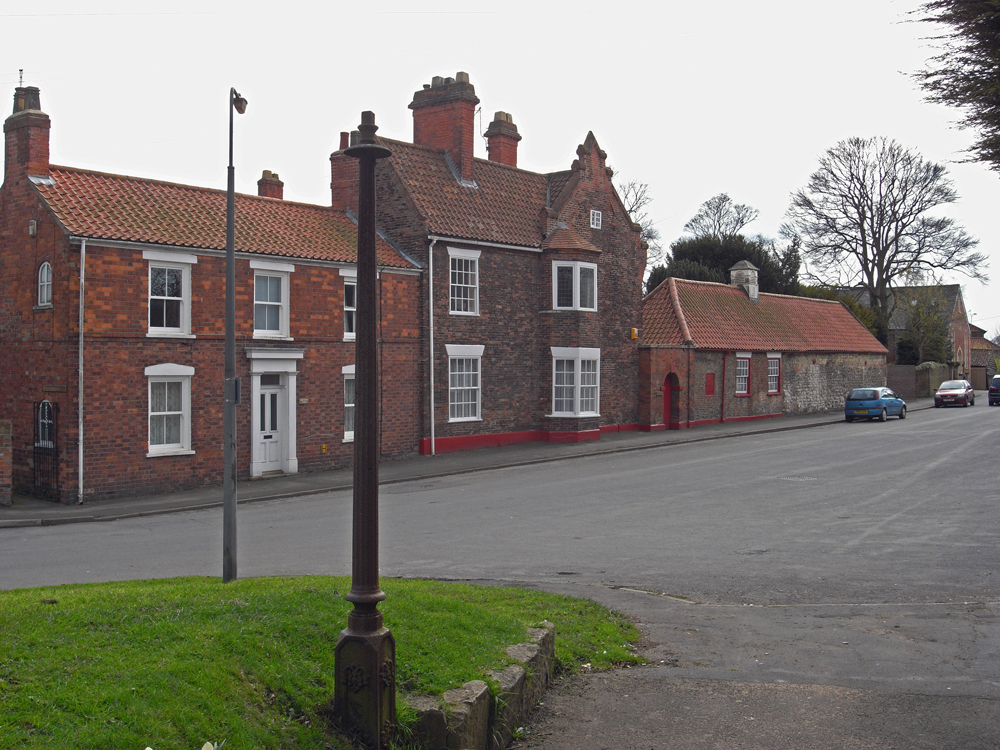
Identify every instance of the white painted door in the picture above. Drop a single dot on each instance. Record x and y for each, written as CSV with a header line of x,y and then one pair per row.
x,y
268,432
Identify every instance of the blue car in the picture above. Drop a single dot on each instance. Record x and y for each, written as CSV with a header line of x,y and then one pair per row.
x,y
873,403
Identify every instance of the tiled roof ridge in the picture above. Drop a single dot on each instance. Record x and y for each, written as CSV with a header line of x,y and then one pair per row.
x,y
185,186
481,160
762,294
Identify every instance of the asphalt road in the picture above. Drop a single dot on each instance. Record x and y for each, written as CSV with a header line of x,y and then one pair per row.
x,y
837,585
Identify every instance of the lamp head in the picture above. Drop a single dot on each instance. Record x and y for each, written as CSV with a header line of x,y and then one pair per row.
x,y
239,103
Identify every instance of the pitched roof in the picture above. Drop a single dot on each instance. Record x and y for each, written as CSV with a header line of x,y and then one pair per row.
x,y
506,206
982,357
104,206
566,238
720,316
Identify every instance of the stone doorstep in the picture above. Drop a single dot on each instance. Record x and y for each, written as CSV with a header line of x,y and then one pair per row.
x,y
467,719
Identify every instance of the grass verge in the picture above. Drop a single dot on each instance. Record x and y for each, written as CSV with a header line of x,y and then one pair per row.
x,y
175,663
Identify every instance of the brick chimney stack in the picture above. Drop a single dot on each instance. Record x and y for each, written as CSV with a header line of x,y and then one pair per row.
x,y
502,138
444,114
26,137
269,186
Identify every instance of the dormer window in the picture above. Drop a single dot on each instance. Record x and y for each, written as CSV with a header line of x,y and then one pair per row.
x,y
595,219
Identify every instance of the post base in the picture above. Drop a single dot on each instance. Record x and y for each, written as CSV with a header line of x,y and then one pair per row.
x,y
365,692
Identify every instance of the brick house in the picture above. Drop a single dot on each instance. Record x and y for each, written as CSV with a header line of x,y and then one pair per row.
x,y
142,263
533,285
984,355
509,304
724,352
950,295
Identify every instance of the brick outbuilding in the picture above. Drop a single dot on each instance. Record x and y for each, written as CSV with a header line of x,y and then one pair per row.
x,y
724,352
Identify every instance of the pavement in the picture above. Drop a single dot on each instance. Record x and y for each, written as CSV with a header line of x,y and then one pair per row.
x,y
29,511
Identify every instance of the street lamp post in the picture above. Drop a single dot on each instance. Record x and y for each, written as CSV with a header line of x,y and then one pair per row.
x,y
365,656
238,103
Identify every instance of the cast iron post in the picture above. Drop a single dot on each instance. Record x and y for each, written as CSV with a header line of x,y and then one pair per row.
x,y
365,665
238,103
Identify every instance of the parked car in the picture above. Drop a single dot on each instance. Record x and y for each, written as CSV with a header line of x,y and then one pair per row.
x,y
955,393
873,403
993,397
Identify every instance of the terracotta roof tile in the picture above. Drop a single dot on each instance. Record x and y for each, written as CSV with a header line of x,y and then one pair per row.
x,y
720,316
566,238
114,207
982,357
506,205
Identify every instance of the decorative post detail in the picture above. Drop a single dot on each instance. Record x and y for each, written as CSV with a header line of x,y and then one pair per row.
x,y
365,690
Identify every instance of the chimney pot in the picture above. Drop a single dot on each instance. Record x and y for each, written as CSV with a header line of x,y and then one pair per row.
x,y
355,136
444,117
269,186
502,138
462,77
26,137
345,139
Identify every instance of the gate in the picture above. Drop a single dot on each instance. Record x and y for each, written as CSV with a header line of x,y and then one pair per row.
x,y
46,453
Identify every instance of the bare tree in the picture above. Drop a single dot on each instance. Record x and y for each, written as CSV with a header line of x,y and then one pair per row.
x,y
862,218
720,217
635,195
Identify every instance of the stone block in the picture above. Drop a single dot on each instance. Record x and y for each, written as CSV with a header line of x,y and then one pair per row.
x,y
468,709
509,711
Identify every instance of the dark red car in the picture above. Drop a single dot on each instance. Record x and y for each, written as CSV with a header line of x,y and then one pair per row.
x,y
955,393
994,395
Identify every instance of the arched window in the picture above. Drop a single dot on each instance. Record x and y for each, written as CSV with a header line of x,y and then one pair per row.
x,y
46,425
45,284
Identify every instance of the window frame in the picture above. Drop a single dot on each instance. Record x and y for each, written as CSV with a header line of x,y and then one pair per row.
x,y
170,373
347,371
281,271
776,359
465,352
45,285
742,358
596,219
172,261
576,265
576,355
472,256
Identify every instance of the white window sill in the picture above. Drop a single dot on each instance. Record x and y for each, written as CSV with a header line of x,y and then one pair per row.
x,y
350,336
466,314
348,438
271,337
167,334
465,419
46,306
574,309
170,452
571,415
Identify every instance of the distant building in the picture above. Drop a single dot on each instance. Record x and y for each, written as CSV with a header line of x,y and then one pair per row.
x,y
712,353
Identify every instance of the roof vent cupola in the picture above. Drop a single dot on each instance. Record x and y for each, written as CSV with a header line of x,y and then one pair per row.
x,y
744,275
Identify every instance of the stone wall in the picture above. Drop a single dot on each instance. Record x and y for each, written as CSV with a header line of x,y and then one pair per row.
x,y
819,382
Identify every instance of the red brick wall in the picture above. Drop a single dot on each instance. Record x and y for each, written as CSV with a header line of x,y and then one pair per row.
x,y
6,461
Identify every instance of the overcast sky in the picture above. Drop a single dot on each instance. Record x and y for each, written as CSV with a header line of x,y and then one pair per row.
x,y
693,98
